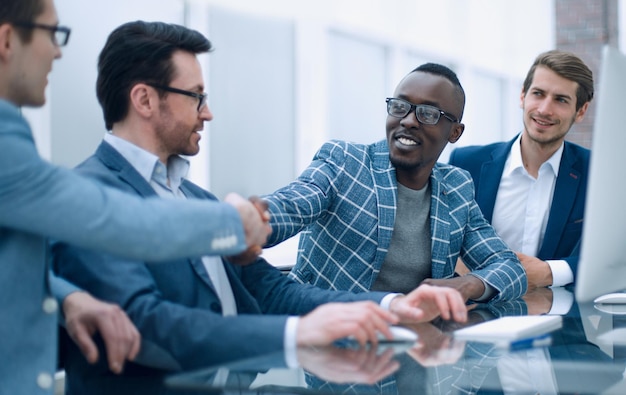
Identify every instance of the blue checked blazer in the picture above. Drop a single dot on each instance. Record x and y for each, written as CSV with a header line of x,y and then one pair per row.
x,y
344,204
565,221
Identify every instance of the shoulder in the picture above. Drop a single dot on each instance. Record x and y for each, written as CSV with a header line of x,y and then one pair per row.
x,y
475,152
93,168
340,151
451,174
197,191
576,150
12,120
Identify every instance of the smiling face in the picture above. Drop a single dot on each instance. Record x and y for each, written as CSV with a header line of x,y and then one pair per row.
x,y
414,148
179,121
32,61
549,108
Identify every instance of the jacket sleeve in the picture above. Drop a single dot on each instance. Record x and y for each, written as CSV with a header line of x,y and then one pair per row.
x,y
51,201
183,334
304,200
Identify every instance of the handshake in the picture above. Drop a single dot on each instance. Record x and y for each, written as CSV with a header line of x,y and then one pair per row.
x,y
255,219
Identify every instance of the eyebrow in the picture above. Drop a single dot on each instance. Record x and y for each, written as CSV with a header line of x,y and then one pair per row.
x,y
427,102
557,95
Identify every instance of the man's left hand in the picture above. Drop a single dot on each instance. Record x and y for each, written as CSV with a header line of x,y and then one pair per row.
x,y
427,302
85,315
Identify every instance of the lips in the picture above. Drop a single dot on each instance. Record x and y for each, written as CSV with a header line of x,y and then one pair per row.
x,y
406,141
543,122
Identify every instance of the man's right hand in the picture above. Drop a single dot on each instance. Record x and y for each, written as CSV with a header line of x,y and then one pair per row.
x,y
334,321
255,223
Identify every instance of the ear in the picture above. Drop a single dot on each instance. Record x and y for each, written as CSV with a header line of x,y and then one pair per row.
x,y
6,35
457,131
521,99
143,100
580,114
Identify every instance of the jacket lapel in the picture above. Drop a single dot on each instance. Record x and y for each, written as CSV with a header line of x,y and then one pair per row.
x,y
565,191
124,170
439,225
386,189
489,180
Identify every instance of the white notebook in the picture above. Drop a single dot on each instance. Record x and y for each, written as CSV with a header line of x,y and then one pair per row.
x,y
510,328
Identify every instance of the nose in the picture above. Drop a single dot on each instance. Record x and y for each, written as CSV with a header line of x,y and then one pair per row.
x,y
205,113
545,106
410,120
57,52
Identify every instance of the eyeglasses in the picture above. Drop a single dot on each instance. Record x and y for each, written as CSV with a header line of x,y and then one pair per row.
x,y
200,96
428,115
60,34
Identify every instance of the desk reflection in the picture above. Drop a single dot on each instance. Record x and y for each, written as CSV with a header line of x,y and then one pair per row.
x,y
436,363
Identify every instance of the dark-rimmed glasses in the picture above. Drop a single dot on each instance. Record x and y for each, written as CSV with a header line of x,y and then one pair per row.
x,y
428,115
60,34
200,96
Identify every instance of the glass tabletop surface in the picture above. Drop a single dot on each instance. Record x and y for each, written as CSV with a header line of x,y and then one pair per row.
x,y
586,355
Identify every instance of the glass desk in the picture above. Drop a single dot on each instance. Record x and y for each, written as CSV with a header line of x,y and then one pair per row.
x,y
579,360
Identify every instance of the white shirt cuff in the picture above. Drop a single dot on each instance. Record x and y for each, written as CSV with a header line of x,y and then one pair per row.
x,y
290,342
561,273
562,301
386,301
489,291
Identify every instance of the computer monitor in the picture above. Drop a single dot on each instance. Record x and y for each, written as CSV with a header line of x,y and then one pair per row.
x,y
602,264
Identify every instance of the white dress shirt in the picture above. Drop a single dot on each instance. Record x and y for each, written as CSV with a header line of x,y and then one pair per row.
x,y
522,208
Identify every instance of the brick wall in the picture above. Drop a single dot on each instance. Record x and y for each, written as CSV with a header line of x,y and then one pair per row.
x,y
584,27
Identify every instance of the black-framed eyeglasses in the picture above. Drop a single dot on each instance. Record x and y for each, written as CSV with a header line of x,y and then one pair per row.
x,y
428,115
60,34
200,96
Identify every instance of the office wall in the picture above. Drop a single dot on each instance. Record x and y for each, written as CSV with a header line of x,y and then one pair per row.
x,y
75,115
286,76
252,98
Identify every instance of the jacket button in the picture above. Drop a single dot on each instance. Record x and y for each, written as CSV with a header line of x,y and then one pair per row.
x,y
50,305
216,307
44,380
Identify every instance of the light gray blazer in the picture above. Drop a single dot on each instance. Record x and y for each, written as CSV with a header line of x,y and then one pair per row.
x,y
40,201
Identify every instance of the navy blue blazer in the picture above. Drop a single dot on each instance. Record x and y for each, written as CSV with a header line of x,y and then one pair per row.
x,y
174,304
565,222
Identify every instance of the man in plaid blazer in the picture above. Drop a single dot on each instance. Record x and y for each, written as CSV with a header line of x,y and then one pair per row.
x,y
387,216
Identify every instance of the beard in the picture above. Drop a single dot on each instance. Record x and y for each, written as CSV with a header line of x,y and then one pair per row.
x,y
403,164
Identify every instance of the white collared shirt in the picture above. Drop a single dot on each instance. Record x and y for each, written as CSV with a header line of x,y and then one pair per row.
x,y
522,208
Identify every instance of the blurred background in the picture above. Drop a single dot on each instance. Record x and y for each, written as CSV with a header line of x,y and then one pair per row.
x,y
286,76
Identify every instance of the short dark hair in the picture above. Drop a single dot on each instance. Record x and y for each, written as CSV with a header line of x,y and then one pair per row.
x,y
12,11
568,66
140,52
447,73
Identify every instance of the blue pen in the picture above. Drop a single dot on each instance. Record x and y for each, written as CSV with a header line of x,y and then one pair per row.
x,y
531,342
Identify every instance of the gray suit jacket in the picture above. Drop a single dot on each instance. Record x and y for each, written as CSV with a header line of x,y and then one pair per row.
x,y
40,201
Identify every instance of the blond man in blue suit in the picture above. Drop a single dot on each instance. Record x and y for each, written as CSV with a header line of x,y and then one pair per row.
x,y
532,189
40,201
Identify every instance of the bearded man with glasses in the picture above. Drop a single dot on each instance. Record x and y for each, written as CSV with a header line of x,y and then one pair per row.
x,y
387,216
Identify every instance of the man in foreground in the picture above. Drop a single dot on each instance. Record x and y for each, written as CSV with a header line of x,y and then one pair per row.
x,y
40,201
